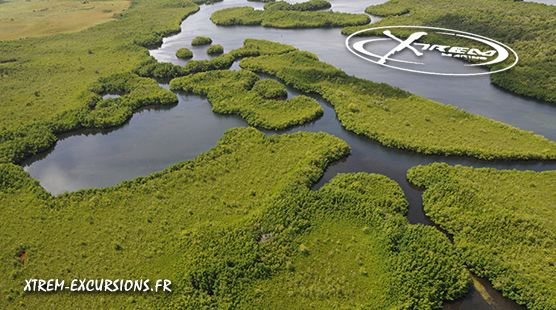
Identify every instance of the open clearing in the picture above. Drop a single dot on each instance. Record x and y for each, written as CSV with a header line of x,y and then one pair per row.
x,y
30,18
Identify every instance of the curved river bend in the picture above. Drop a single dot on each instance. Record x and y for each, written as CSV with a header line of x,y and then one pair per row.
x,y
156,138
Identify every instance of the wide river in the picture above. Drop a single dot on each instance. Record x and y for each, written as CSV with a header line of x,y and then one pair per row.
x,y
156,138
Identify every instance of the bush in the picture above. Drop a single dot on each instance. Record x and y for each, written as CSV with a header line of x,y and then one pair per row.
x,y
270,89
215,49
184,53
201,41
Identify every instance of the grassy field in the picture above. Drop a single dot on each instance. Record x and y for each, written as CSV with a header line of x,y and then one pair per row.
x,y
32,18
503,223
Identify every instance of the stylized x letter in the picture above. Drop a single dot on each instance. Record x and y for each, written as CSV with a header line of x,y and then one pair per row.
x,y
403,45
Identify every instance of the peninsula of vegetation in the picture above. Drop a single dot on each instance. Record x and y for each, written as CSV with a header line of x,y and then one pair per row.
x,y
287,16
503,225
399,119
258,101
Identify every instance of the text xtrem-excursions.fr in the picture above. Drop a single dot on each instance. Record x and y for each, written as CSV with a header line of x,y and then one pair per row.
x,y
96,285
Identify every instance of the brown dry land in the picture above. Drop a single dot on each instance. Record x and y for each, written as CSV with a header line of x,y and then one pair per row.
x,y
31,18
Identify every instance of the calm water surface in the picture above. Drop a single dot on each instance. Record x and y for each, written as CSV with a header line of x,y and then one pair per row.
x,y
156,138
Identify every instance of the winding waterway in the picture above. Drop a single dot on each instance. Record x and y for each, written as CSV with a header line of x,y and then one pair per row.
x,y
156,138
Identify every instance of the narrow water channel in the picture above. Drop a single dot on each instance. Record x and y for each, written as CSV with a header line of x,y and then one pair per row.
x,y
156,138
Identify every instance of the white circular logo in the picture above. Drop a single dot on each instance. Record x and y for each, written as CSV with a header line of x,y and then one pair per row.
x,y
411,55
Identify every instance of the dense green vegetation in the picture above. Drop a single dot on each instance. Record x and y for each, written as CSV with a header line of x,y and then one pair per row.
x,y
50,72
184,53
503,225
164,70
344,246
399,119
22,141
312,5
238,227
44,85
201,41
154,69
96,113
136,229
215,49
277,18
270,89
528,28
234,92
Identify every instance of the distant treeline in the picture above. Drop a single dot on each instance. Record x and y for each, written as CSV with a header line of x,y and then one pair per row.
x,y
283,15
312,5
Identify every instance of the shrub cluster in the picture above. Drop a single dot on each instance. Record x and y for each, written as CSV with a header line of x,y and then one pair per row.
x,y
215,49
270,89
201,41
184,53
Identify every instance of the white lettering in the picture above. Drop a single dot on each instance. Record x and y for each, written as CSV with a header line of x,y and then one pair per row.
x,y
441,48
458,50
59,285
41,284
166,285
157,285
74,285
28,285
475,51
